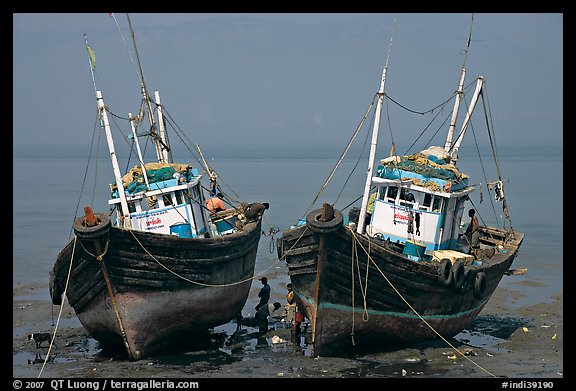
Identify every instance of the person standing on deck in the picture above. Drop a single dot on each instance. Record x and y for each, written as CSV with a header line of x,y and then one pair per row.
x,y
472,233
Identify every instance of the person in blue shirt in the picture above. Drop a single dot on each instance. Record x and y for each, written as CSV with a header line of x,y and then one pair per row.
x,y
264,293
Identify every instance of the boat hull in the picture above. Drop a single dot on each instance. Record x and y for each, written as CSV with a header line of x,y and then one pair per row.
x,y
148,291
385,298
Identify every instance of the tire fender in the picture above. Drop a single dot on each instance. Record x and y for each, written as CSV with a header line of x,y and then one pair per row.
x,y
458,275
316,225
100,229
480,285
444,269
55,290
469,276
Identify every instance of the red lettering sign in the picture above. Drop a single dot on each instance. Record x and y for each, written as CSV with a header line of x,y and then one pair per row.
x,y
153,222
400,217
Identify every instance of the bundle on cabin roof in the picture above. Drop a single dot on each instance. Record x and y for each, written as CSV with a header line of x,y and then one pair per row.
x,y
420,164
134,182
136,171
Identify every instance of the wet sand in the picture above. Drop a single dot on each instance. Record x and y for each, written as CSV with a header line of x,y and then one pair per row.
x,y
504,341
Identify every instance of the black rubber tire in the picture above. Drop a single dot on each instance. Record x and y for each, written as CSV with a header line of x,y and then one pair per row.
x,y
100,229
469,276
55,291
323,227
458,275
480,285
444,269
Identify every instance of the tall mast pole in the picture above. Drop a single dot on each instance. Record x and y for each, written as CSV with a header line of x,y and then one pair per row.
x,y
459,91
477,92
374,142
142,165
104,123
104,118
159,143
166,153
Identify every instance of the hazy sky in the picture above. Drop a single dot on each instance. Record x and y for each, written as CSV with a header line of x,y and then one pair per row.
x,y
283,78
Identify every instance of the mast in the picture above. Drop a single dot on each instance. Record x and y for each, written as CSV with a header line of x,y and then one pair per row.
x,y
142,165
158,142
124,204
477,92
459,92
163,133
374,142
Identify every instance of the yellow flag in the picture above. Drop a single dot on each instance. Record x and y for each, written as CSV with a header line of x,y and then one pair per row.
x,y
92,57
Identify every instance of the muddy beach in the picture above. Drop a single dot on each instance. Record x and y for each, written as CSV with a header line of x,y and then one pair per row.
x,y
504,341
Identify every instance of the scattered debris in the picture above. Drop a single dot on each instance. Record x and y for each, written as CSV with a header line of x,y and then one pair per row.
x,y
516,272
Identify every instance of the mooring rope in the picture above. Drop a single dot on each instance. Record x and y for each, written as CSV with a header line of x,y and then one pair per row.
x,y
59,312
412,308
213,285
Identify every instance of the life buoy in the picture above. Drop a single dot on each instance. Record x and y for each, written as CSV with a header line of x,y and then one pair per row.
x,y
444,269
100,229
458,275
480,285
316,225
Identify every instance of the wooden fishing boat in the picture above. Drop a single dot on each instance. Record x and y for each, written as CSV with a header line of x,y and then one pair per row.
x,y
159,266
398,270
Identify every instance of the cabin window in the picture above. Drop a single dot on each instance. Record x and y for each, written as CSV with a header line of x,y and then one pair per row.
x,y
178,195
382,193
149,203
427,200
391,194
131,207
437,204
167,199
406,198
195,194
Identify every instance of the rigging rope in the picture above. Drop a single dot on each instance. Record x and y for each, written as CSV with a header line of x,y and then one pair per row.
x,y
59,312
355,238
341,156
355,166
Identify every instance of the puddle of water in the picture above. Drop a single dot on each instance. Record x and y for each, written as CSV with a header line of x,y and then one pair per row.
x,y
405,369
489,331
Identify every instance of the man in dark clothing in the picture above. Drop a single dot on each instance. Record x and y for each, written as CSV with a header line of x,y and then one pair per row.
x,y
472,231
264,293
255,210
263,313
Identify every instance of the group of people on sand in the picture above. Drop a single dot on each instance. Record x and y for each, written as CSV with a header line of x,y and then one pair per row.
x,y
264,309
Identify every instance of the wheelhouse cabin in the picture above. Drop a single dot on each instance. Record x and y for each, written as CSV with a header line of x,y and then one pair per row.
x,y
171,206
419,202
